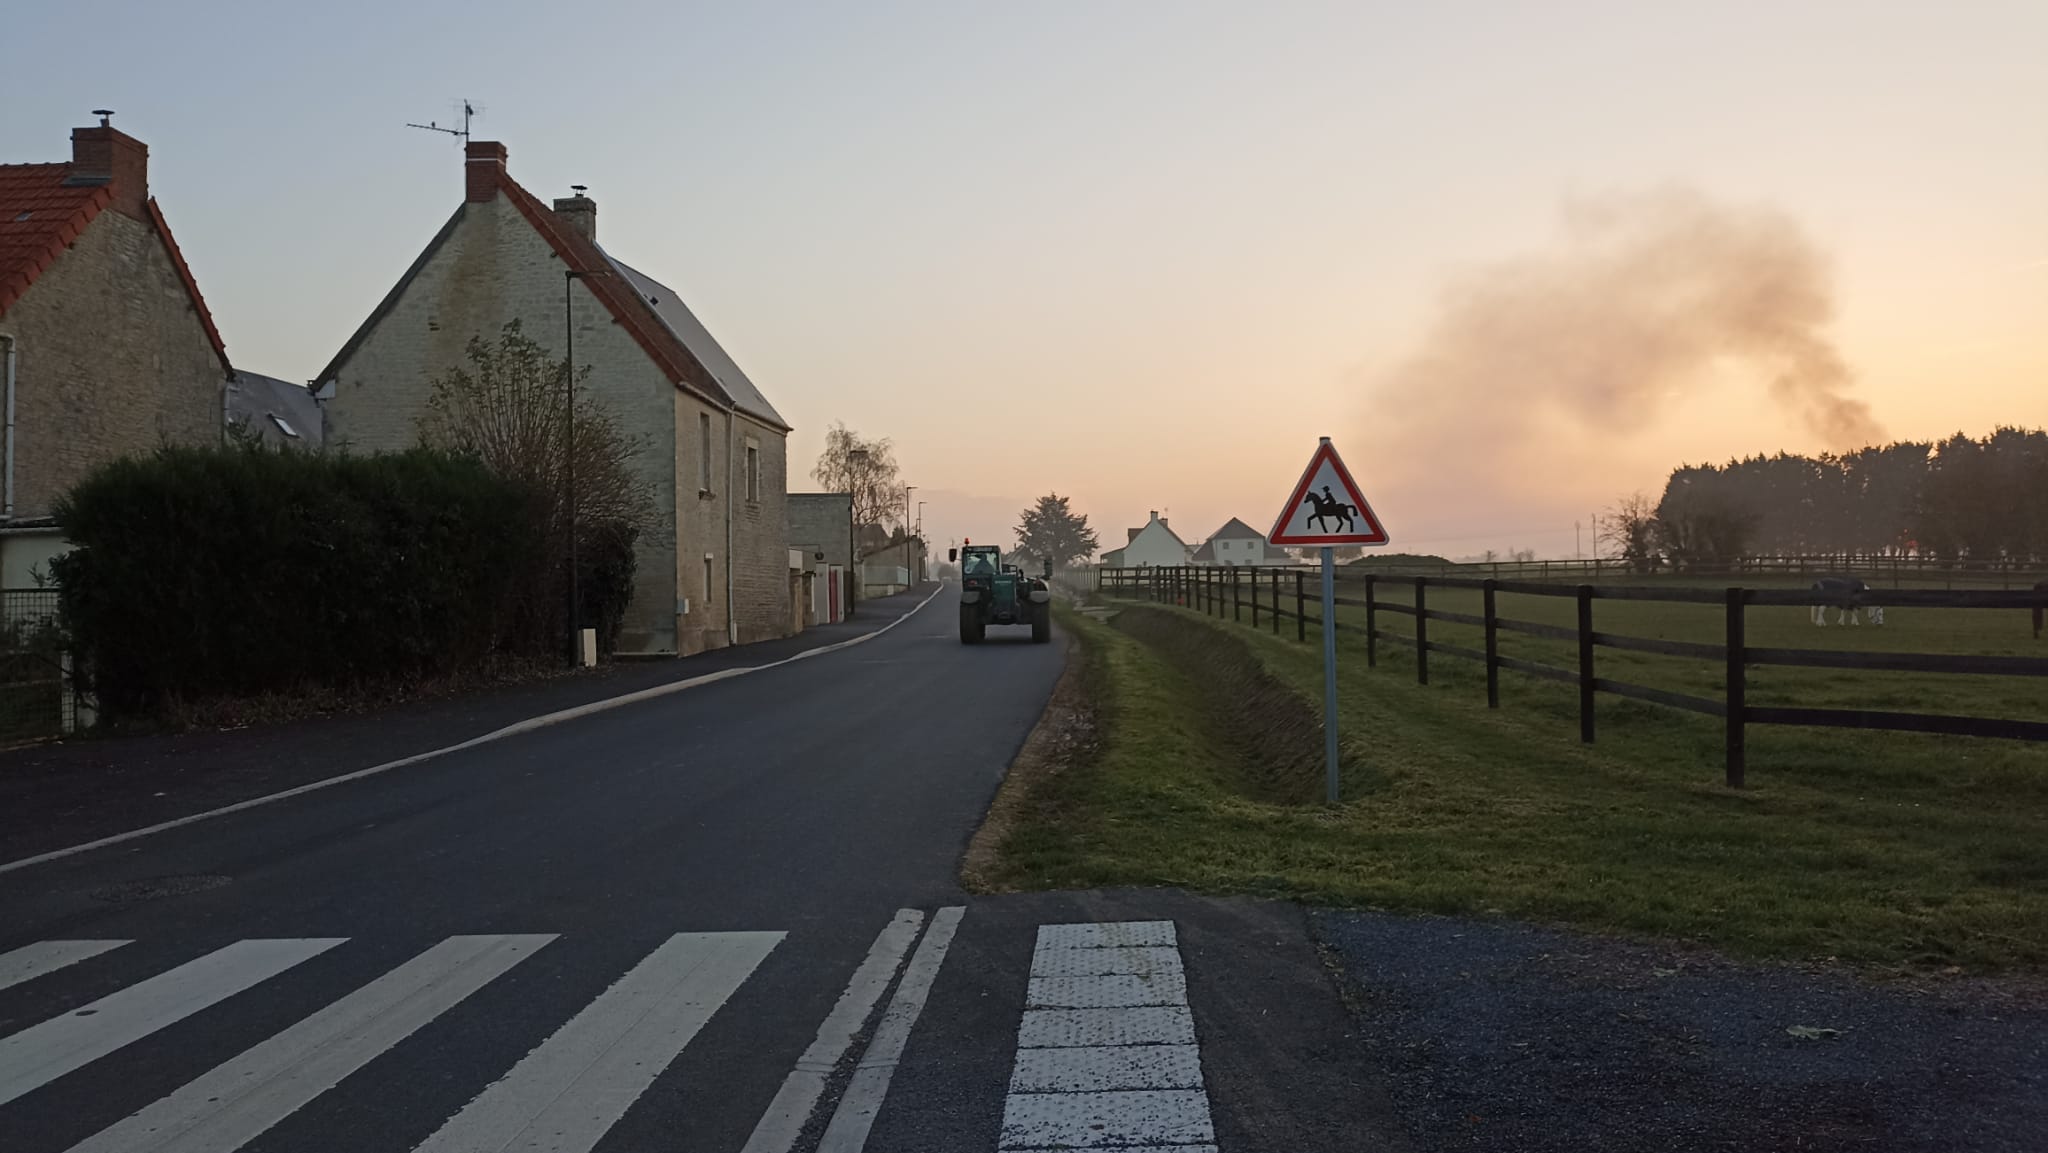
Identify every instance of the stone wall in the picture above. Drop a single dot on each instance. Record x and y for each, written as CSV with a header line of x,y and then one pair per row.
x,y
111,359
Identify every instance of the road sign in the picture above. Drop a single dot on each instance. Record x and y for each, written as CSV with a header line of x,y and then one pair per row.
x,y
1327,508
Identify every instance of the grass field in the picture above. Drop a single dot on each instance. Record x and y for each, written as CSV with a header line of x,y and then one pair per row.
x,y
1875,849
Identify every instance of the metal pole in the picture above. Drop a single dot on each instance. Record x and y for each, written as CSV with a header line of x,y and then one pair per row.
x,y
569,464
1329,676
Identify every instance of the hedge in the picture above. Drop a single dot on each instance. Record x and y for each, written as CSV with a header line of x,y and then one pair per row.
x,y
207,572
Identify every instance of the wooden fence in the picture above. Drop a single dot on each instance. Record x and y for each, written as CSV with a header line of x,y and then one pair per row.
x,y
1271,595
1893,570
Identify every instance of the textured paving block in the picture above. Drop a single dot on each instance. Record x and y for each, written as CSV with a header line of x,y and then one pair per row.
x,y
1099,962
1107,991
1069,1028
1106,935
1099,1120
1101,1070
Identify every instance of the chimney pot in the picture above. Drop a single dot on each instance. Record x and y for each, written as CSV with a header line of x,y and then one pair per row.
x,y
483,169
111,157
579,212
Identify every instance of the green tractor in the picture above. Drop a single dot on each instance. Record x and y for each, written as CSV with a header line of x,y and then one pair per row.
x,y
994,593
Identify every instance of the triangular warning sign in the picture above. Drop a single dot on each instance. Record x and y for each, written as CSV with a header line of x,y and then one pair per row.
x,y
1327,508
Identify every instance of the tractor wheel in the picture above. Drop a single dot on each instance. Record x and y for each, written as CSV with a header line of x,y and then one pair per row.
x,y
970,626
1041,625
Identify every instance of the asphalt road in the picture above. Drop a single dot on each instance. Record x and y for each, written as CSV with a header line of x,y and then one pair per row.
x,y
664,926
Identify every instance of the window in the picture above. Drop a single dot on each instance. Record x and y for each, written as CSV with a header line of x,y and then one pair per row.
x,y
283,425
703,452
753,473
707,584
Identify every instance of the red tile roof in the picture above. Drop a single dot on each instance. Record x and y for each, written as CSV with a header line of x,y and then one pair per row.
x,y
41,216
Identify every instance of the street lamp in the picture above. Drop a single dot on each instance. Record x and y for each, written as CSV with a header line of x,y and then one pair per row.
x,y
909,553
569,457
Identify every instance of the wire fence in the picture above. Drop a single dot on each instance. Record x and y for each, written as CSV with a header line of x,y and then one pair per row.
x,y
1266,597
36,691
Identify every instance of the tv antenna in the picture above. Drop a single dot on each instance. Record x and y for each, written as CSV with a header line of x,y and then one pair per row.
x,y
432,126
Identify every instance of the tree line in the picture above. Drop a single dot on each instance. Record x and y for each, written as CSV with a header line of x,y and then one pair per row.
x,y
1974,499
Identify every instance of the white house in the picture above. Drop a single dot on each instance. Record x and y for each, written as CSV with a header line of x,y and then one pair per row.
x,y
1154,545
1238,544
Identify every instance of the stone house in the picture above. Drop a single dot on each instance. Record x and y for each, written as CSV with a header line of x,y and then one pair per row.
x,y
1153,545
106,345
1238,544
713,567
821,527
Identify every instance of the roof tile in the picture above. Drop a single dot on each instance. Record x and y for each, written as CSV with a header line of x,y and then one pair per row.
x,y
54,216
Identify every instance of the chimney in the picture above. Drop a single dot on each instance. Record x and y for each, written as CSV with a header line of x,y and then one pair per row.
x,y
579,212
483,168
105,155
1155,514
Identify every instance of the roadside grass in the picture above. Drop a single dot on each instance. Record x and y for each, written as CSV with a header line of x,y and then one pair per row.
x,y
1879,850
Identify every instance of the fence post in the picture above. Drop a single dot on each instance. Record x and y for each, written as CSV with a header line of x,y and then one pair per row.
x,y
1301,609
1236,602
1492,651
1738,753
1586,664
1372,629
1421,632
1255,599
1276,602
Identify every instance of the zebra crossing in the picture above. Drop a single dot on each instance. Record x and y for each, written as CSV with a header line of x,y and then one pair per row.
x,y
580,1076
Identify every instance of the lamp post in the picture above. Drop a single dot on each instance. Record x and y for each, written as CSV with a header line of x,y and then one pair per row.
x,y
569,458
909,554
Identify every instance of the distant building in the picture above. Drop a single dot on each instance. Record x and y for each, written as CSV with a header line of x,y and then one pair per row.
x,y
821,530
1154,545
106,346
1238,544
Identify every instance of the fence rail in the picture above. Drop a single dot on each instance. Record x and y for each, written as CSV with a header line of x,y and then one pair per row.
x,y
2000,572
1223,592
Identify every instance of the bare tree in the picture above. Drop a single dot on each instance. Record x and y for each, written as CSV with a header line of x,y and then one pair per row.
x,y
506,408
864,468
1630,530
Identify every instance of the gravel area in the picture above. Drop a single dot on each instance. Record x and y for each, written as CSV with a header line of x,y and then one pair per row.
x,y
1497,1036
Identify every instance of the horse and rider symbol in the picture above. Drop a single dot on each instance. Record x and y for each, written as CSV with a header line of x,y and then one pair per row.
x,y
1329,508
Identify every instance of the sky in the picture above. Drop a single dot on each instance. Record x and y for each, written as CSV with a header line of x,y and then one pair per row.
x,y
1517,260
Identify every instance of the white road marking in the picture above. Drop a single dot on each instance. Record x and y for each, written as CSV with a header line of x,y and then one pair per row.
x,y
783,1123
1099,1070
1092,1120
32,961
1108,935
1106,1053
1108,991
42,1053
1142,1025
245,1096
1102,962
855,1116
567,1093
512,730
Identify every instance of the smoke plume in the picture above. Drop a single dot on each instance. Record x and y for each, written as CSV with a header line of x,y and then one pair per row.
x,y
1645,298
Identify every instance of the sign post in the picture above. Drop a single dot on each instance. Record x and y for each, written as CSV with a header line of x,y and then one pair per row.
x,y
1327,509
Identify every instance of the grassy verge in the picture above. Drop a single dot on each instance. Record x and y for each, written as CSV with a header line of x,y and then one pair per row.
x,y
1875,849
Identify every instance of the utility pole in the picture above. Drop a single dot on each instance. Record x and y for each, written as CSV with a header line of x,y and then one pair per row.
x,y
909,553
